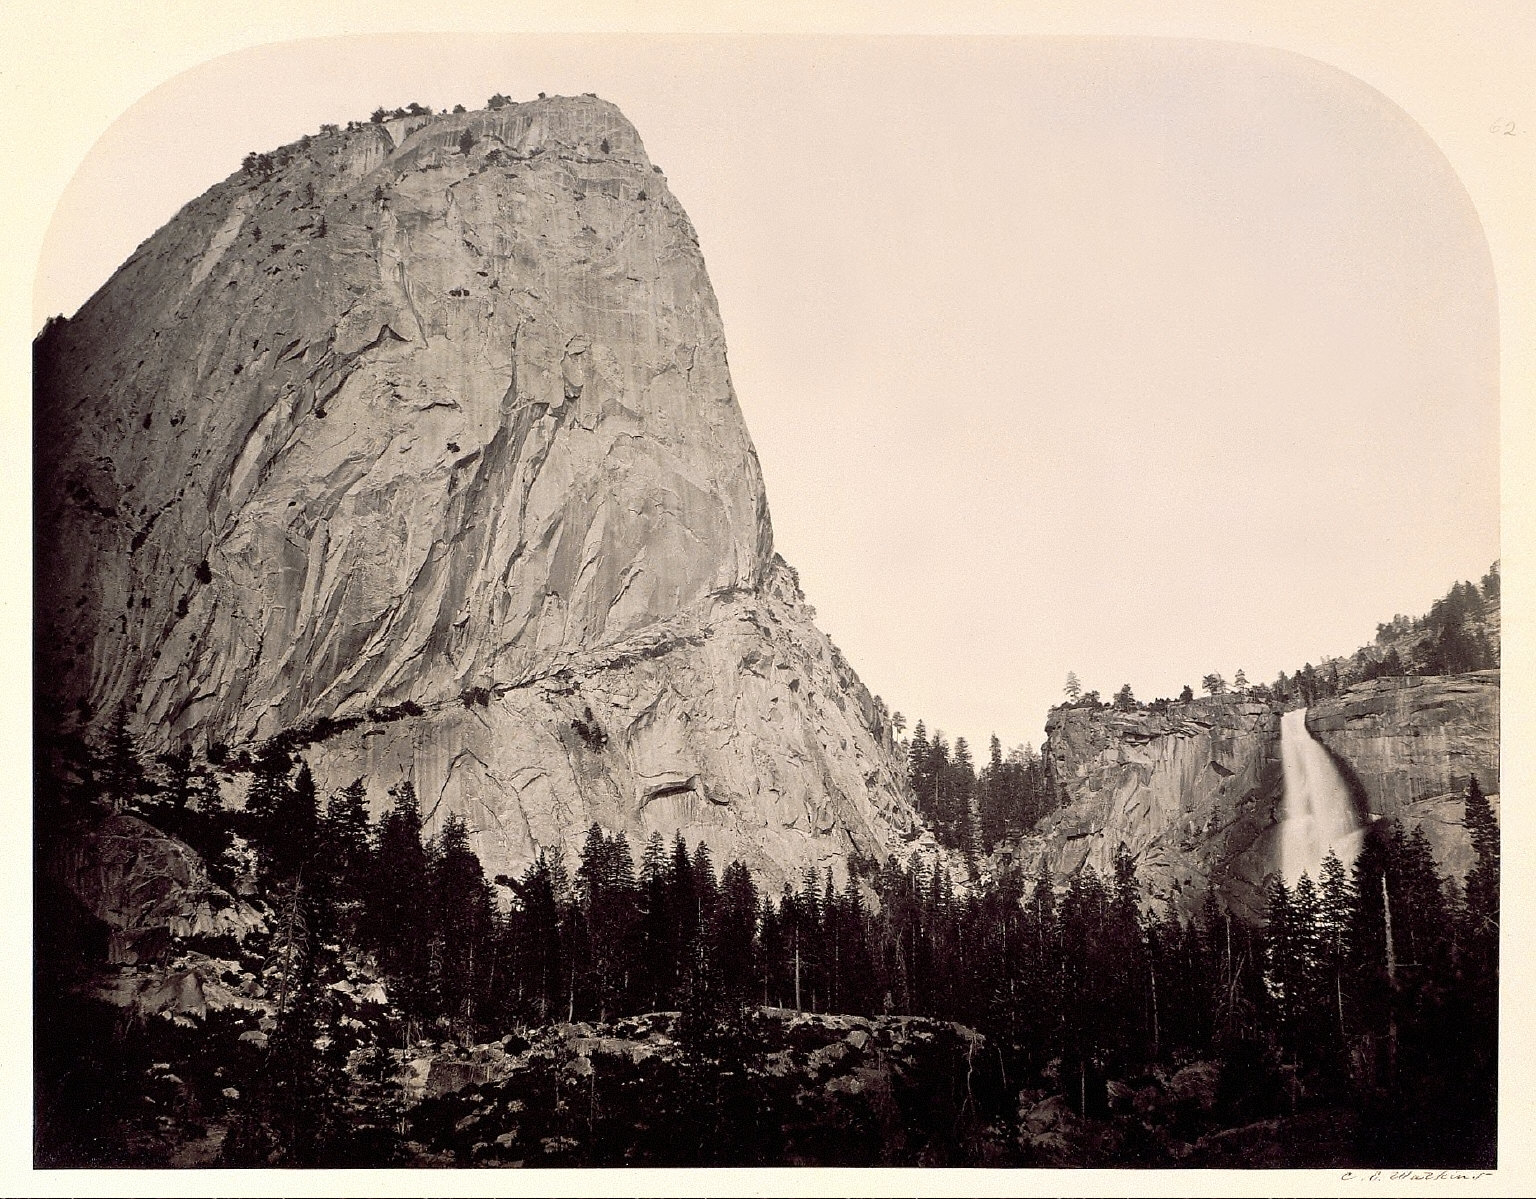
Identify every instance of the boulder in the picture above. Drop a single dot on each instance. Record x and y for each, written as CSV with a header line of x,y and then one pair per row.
x,y
1196,1085
148,887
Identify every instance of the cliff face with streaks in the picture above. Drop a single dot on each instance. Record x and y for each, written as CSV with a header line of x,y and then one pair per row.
x,y
433,416
1193,793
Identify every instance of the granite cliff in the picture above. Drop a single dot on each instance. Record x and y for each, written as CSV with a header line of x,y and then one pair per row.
x,y
1194,791
422,434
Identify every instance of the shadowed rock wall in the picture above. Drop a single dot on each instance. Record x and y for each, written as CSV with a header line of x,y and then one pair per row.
x,y
1409,746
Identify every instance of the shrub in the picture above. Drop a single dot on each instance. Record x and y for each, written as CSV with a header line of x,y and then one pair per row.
x,y
407,707
589,730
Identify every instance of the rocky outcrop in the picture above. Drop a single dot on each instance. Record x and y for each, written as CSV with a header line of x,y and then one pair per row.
x,y
1191,792
149,889
1409,745
773,1088
436,413
1194,792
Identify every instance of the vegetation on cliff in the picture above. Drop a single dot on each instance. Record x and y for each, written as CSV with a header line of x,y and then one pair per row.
x,y
1459,633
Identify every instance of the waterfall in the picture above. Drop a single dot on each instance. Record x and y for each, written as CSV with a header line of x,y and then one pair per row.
x,y
1317,813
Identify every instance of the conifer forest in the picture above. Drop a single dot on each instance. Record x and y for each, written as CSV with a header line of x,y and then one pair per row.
x,y
1357,1017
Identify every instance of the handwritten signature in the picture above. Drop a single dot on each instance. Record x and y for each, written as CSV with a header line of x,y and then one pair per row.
x,y
1413,1175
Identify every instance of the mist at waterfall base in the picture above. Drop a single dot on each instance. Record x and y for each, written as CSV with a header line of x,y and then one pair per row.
x,y
1317,812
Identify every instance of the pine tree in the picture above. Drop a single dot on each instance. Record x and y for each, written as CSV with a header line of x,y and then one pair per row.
x,y
295,825
917,751
1336,901
290,1114
541,958
1281,956
266,798
1477,1028
347,831
345,859
963,814
461,923
920,769
1491,586
607,892
733,934
122,770
656,963
180,782
1308,1011
1482,899
1126,979
994,798
857,967
682,907
399,922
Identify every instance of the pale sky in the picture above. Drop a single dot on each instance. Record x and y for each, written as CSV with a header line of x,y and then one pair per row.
x,y
1135,358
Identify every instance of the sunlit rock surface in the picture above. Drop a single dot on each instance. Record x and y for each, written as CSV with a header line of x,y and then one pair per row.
x,y
440,408
1192,793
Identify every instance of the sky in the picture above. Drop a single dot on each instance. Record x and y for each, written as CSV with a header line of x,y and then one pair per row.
x,y
1139,359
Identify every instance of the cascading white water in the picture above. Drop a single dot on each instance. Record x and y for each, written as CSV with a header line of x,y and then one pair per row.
x,y
1316,813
